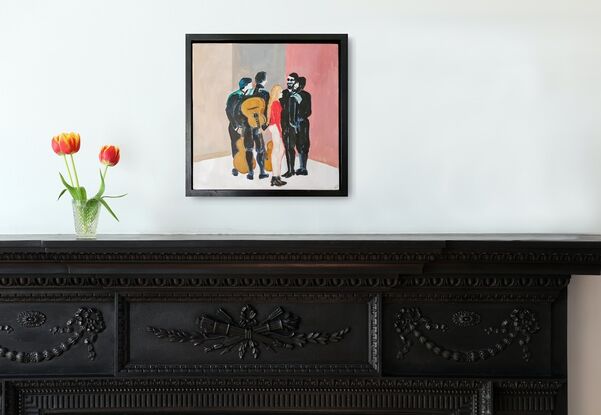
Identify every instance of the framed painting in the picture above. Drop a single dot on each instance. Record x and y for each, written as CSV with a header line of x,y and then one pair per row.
x,y
266,115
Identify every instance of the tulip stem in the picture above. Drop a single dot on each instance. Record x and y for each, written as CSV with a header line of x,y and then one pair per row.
x,y
106,169
68,169
74,170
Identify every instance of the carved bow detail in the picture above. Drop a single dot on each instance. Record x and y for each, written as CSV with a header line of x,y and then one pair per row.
x,y
223,333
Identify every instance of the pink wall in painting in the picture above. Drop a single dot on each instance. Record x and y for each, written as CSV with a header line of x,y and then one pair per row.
x,y
319,64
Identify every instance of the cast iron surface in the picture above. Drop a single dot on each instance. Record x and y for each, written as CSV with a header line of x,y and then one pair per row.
x,y
397,324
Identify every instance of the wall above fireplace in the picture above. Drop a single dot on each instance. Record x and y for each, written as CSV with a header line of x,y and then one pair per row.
x,y
496,126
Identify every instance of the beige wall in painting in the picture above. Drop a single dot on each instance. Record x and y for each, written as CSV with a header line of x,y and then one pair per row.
x,y
211,85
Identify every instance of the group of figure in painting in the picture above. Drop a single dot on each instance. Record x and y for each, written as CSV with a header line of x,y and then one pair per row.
x,y
252,109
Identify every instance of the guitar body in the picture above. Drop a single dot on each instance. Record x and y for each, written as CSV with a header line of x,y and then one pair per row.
x,y
253,109
268,151
240,158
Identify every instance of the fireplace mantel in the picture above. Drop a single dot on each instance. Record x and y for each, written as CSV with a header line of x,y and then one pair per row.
x,y
216,324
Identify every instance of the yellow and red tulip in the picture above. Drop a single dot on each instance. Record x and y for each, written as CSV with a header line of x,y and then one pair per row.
x,y
109,155
66,143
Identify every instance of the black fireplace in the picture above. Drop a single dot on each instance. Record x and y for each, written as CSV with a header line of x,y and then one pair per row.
x,y
283,325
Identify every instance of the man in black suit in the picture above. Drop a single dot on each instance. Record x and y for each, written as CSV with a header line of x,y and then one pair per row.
x,y
288,133
253,136
234,116
302,137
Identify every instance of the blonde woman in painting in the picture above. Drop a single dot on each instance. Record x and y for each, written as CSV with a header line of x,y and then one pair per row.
x,y
274,110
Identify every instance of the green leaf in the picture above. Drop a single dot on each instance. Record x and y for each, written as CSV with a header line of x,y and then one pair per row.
x,y
115,197
101,190
67,185
61,193
75,194
92,204
106,205
91,208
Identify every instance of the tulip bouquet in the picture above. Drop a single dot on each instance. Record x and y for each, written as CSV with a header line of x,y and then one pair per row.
x,y
85,211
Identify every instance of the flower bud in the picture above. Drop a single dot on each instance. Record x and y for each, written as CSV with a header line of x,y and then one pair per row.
x,y
109,155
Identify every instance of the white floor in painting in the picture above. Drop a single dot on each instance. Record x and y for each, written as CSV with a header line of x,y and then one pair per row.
x,y
217,174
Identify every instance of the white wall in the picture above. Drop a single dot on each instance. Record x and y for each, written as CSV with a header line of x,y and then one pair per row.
x,y
465,116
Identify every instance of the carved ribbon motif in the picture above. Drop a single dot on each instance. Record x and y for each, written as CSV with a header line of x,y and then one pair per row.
x,y
85,325
224,334
410,325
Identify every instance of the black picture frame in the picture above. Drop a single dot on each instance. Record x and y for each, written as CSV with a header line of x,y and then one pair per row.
x,y
339,39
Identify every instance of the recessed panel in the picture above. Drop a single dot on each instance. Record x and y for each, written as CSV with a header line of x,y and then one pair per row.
x,y
56,338
254,336
467,339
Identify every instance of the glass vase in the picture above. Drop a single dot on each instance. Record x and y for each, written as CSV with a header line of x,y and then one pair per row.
x,y
85,217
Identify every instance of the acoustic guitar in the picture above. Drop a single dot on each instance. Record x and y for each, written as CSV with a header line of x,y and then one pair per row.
x,y
253,109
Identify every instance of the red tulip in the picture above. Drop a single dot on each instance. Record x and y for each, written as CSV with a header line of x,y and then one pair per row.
x,y
109,155
71,143
66,143
56,145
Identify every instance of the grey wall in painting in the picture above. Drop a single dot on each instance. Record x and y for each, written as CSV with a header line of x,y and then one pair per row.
x,y
248,59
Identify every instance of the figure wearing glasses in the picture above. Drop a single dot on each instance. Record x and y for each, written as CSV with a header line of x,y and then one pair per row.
x,y
296,110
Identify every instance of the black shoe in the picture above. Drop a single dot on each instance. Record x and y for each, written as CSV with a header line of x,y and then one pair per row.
x,y
263,176
274,181
280,181
250,176
235,172
288,174
302,172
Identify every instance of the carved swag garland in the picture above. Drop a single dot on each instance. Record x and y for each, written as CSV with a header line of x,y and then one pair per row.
x,y
224,334
410,325
85,325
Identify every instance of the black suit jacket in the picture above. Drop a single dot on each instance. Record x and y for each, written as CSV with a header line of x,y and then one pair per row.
x,y
304,110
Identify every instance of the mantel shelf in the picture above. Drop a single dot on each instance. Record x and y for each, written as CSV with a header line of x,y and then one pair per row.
x,y
403,254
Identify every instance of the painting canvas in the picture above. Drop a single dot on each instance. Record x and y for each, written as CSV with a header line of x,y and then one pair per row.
x,y
266,115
